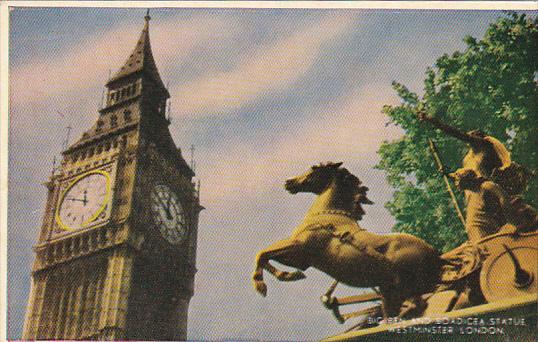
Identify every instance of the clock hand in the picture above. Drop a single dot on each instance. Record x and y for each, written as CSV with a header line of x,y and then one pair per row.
x,y
74,199
165,207
168,214
85,200
168,202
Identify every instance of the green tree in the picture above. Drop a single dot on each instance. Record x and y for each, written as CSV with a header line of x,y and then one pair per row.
x,y
491,86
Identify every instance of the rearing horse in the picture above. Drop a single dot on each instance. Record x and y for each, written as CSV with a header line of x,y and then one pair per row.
x,y
330,239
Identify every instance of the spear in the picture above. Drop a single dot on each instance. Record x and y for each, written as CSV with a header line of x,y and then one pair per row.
x,y
441,169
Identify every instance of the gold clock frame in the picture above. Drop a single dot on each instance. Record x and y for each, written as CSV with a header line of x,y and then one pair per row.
x,y
65,227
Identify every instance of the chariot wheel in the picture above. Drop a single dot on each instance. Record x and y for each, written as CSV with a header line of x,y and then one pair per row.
x,y
511,272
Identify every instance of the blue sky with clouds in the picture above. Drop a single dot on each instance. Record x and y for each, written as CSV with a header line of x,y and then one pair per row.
x,y
262,94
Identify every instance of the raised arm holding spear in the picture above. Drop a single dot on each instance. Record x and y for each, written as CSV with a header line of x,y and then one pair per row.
x,y
489,159
487,156
485,152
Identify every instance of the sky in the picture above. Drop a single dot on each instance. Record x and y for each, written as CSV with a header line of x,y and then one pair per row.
x,y
262,94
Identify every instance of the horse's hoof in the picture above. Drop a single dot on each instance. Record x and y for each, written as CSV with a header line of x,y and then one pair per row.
x,y
261,287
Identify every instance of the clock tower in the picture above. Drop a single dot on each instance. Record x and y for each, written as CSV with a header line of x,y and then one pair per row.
x,y
115,257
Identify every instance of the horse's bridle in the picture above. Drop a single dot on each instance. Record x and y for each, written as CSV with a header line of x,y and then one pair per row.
x,y
335,212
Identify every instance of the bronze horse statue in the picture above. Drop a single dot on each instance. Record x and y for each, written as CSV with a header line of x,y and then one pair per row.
x,y
402,266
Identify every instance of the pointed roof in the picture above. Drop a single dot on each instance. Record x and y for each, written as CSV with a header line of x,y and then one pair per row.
x,y
141,59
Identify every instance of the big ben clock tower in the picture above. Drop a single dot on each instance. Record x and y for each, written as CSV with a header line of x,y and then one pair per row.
x,y
115,258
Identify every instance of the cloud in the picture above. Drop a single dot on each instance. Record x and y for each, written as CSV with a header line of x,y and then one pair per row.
x,y
85,66
271,68
350,130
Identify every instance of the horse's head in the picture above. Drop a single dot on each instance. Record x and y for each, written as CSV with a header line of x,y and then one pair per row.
x,y
349,189
315,180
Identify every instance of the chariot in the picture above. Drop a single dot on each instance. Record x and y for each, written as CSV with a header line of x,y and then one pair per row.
x,y
498,267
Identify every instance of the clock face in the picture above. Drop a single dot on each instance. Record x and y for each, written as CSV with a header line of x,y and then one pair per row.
x,y
168,214
84,201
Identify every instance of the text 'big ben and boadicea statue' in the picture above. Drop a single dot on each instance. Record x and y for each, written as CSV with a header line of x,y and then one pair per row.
x,y
116,252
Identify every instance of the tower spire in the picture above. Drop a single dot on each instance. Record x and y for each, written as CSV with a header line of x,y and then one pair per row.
x,y
141,61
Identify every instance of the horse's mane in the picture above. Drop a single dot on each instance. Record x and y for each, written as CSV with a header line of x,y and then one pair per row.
x,y
353,183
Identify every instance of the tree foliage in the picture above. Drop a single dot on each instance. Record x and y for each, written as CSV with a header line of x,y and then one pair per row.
x,y
491,86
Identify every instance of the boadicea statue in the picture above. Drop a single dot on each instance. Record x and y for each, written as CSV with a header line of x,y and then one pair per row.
x,y
329,239
506,180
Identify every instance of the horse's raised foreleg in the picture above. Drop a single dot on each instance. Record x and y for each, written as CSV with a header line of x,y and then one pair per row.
x,y
283,275
287,249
